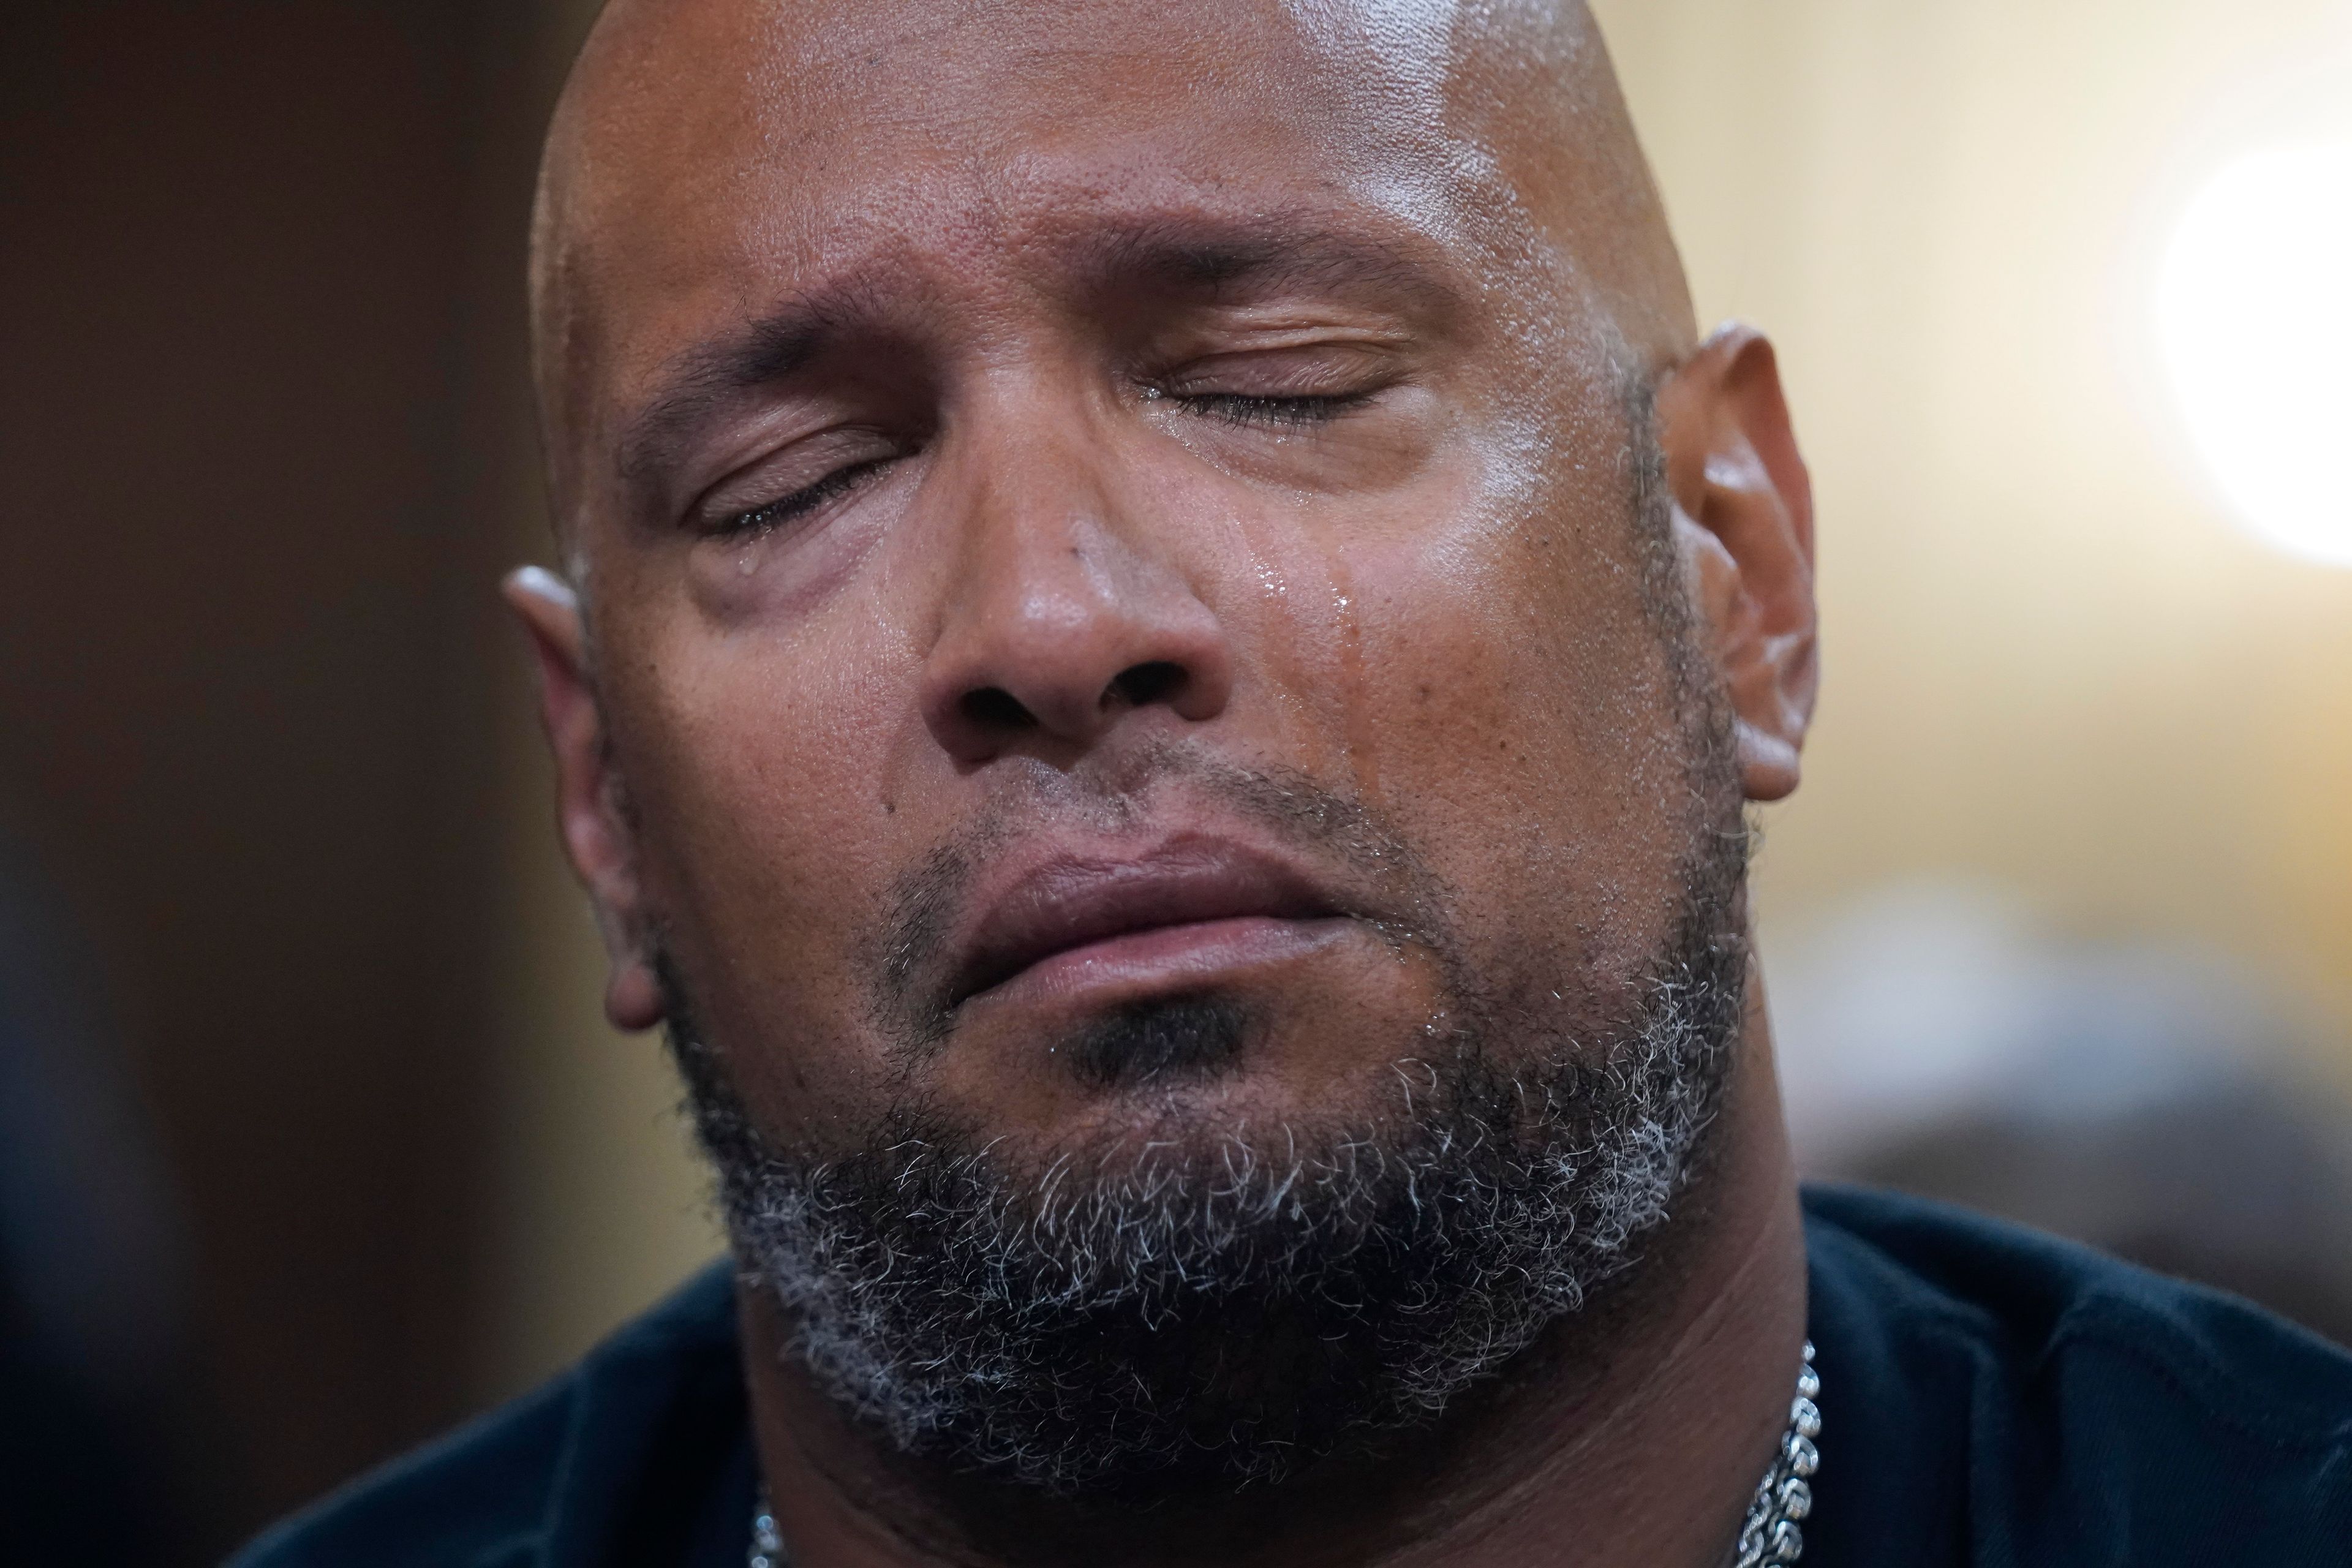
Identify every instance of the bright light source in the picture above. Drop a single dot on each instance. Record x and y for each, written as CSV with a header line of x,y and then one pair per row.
x,y
2255,314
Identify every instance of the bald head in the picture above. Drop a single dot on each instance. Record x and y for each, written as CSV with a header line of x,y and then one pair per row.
x,y
733,148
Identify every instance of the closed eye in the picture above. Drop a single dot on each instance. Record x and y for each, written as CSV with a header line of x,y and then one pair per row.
x,y
1244,409
787,508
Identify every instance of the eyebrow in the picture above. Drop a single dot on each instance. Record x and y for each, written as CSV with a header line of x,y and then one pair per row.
x,y
1273,251
758,354
1207,258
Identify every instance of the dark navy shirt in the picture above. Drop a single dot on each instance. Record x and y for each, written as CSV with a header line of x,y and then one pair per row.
x,y
1990,1397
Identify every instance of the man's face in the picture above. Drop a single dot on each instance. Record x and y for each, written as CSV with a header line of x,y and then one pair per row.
x,y
1109,535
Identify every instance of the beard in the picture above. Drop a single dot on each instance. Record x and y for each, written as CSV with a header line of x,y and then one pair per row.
x,y
1141,1320
1146,1319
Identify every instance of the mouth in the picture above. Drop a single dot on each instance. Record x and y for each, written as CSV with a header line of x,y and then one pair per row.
x,y
1179,913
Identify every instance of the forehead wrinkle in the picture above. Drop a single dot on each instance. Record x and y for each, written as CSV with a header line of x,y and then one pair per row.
x,y
1184,250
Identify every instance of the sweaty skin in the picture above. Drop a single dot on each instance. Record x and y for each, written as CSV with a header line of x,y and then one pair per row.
x,y
971,422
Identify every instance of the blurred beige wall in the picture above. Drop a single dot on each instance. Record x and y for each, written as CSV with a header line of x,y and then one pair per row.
x,y
2051,661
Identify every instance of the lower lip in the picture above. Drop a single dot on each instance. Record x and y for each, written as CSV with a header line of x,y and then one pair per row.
x,y
1165,958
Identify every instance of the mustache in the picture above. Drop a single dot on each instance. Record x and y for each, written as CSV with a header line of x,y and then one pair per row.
x,y
1386,881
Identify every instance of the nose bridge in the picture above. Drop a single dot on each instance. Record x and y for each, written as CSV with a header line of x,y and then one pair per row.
x,y
1042,526
1067,609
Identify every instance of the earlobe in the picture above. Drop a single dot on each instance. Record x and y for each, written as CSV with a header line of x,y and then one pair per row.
x,y
633,997
596,836
1744,522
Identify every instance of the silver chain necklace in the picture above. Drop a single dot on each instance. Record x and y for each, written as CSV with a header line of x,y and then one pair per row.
x,y
1767,1536
1785,1495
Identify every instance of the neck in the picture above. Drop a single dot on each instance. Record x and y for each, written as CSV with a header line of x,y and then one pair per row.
x,y
1635,1435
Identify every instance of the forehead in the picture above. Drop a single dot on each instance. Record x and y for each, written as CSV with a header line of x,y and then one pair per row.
x,y
682,105
716,154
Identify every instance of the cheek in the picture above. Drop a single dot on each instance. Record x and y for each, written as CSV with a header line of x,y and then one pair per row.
x,y
764,846
1509,705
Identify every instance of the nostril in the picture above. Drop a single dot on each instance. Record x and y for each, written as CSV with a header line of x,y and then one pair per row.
x,y
993,707
1145,684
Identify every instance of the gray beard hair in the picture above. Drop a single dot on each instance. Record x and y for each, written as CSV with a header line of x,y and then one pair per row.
x,y
1135,1324
1130,1324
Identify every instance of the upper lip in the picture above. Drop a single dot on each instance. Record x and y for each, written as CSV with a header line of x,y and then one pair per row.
x,y
1068,901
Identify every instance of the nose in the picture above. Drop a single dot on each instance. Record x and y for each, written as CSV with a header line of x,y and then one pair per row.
x,y
1063,621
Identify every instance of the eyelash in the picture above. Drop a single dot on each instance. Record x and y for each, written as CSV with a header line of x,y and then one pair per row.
x,y
1242,409
801,502
1232,407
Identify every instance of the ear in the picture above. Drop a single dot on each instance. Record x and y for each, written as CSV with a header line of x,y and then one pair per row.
x,y
597,832
1744,525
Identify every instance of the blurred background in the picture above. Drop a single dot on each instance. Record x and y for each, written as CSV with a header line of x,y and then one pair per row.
x,y
311,1138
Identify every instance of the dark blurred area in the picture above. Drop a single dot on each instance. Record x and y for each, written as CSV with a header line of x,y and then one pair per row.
x,y
2152,1099
101,1404
261,451
2235,1181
